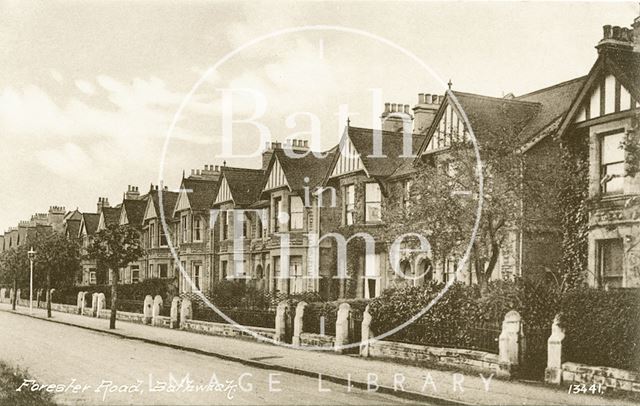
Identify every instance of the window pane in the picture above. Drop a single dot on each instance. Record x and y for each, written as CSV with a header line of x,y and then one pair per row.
x,y
295,212
611,150
373,212
372,192
616,184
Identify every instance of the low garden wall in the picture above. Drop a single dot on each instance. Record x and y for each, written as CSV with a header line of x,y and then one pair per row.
x,y
316,340
227,330
610,378
449,356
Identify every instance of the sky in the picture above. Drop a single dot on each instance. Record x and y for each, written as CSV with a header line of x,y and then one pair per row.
x,y
90,91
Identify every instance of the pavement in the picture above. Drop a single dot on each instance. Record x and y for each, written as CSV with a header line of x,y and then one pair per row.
x,y
412,383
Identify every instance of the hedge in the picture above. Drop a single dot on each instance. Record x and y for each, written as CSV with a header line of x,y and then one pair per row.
x,y
167,288
329,310
602,328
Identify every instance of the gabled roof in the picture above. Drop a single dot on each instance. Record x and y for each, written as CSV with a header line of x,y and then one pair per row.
x,y
314,168
244,184
133,209
169,200
554,102
199,193
73,215
392,150
623,64
90,222
110,215
72,228
488,116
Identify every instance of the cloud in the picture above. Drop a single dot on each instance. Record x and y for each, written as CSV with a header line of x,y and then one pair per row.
x,y
142,109
85,87
68,160
56,76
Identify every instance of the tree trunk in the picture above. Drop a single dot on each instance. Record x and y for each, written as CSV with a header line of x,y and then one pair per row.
x,y
49,293
15,293
114,299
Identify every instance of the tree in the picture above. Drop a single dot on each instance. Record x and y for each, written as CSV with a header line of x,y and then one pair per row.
x,y
14,267
444,199
59,258
115,247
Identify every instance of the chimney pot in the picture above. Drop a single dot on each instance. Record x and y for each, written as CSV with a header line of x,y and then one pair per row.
x,y
427,98
306,144
386,107
616,32
606,31
406,109
420,98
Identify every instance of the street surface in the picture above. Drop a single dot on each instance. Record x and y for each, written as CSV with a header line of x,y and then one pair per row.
x,y
103,365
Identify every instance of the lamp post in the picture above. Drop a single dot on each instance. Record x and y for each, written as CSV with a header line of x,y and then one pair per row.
x,y
32,255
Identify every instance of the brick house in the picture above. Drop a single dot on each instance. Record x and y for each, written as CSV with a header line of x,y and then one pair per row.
x,y
601,115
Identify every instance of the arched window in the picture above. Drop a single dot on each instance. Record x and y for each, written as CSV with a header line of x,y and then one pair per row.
x,y
425,269
259,272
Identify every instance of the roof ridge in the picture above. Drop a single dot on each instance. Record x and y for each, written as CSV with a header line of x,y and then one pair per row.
x,y
493,98
373,129
560,84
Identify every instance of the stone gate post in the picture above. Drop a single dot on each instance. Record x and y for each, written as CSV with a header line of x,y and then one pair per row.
x,y
186,312
298,323
281,322
342,327
147,309
553,372
157,307
175,312
365,332
510,343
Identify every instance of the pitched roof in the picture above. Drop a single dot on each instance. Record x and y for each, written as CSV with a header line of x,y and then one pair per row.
x,y
392,148
72,228
169,200
91,221
201,192
111,215
244,184
554,102
73,215
623,64
310,166
135,210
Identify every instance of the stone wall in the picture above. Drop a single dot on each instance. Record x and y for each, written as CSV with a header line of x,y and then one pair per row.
x,y
227,330
611,378
449,356
316,340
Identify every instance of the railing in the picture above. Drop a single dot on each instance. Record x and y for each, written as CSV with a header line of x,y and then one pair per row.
x,y
482,336
319,320
131,306
245,317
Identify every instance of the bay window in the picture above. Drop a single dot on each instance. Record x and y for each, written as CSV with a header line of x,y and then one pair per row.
x,y
197,229
349,205
295,213
611,163
373,203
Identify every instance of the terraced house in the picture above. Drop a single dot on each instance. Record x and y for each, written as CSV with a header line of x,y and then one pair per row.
x,y
158,258
191,217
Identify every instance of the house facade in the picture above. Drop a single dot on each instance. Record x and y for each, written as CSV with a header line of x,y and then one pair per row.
x,y
603,116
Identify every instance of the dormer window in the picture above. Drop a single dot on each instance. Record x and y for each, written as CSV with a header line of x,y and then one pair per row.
x,y
612,163
373,203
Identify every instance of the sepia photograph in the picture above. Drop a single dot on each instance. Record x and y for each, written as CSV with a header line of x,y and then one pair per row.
x,y
214,202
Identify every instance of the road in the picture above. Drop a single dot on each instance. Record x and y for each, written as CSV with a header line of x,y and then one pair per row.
x,y
103,366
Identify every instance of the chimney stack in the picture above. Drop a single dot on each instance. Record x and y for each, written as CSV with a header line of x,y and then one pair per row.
x,y
394,117
425,111
132,193
210,172
102,202
619,38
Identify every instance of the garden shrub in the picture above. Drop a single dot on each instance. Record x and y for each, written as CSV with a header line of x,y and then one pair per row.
x,y
602,328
